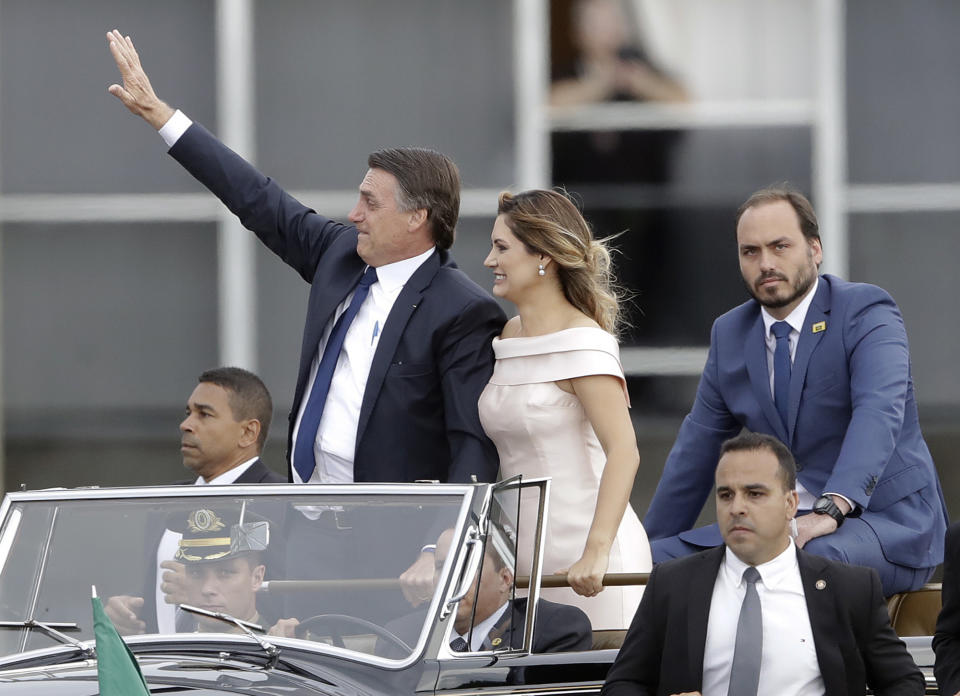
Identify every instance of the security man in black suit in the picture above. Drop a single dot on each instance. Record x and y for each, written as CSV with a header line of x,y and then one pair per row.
x,y
758,615
221,438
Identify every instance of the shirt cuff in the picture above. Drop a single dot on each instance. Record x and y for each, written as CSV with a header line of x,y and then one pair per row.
x,y
174,128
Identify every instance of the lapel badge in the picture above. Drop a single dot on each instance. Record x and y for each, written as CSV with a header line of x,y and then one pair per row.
x,y
496,641
818,327
820,584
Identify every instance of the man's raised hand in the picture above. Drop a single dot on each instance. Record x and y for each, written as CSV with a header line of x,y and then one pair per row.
x,y
136,93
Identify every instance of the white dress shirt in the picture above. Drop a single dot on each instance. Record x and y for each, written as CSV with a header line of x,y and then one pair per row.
x,y
336,439
167,548
789,664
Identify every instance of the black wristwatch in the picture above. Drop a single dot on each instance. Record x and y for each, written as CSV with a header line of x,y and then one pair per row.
x,y
824,505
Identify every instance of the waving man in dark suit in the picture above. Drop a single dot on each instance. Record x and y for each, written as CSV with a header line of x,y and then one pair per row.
x,y
397,343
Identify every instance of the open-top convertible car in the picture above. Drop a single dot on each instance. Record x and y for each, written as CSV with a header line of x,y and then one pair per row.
x,y
194,577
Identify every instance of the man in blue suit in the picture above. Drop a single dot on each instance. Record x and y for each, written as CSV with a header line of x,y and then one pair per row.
x,y
823,365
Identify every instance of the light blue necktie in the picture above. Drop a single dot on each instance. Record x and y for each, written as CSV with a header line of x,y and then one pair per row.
x,y
781,369
748,650
303,459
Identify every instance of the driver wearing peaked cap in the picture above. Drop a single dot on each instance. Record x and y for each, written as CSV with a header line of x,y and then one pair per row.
x,y
222,553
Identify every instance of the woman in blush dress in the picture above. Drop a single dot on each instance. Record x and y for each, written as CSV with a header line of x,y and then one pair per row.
x,y
557,402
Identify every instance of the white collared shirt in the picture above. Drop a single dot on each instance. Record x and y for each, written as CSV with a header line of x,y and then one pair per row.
x,y
229,476
336,439
789,664
167,548
175,127
482,629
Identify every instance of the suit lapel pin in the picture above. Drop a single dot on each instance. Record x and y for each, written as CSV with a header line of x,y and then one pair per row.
x,y
820,584
818,327
496,641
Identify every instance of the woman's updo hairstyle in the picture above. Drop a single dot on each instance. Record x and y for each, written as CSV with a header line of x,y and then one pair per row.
x,y
549,223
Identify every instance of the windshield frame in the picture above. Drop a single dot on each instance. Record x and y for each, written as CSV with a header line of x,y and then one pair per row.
x,y
471,499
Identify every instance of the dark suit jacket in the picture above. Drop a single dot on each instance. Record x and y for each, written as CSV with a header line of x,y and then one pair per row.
x,y
853,426
558,628
258,472
946,640
418,419
663,650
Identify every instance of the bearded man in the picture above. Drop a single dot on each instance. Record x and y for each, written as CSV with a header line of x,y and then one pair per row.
x,y
823,365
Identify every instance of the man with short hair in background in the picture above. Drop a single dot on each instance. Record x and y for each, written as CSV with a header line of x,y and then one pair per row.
x,y
221,437
822,364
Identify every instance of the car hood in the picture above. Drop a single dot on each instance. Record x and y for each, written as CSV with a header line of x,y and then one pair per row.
x,y
190,674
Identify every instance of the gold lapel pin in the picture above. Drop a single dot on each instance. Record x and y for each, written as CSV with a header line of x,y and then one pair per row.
x,y
820,584
818,327
496,641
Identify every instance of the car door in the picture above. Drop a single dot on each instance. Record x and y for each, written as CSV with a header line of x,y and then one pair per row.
x,y
512,532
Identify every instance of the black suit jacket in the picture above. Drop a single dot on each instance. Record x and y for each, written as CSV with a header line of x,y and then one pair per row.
x,y
946,640
418,418
663,650
258,472
558,628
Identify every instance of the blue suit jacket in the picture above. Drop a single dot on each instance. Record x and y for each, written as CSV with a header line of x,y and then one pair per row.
x,y
418,419
852,427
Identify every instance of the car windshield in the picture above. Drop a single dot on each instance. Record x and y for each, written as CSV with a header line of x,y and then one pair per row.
x,y
317,563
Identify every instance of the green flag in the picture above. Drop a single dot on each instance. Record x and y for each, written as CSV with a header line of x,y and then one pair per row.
x,y
117,670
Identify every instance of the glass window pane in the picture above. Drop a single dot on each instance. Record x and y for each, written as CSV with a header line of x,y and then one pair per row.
x,y
281,311
102,322
680,267
903,96
60,131
337,80
649,168
913,256
736,49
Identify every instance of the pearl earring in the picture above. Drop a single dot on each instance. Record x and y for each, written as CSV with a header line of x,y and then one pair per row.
x,y
541,272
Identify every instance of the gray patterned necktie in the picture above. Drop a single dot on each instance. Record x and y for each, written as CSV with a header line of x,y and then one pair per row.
x,y
748,651
458,644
